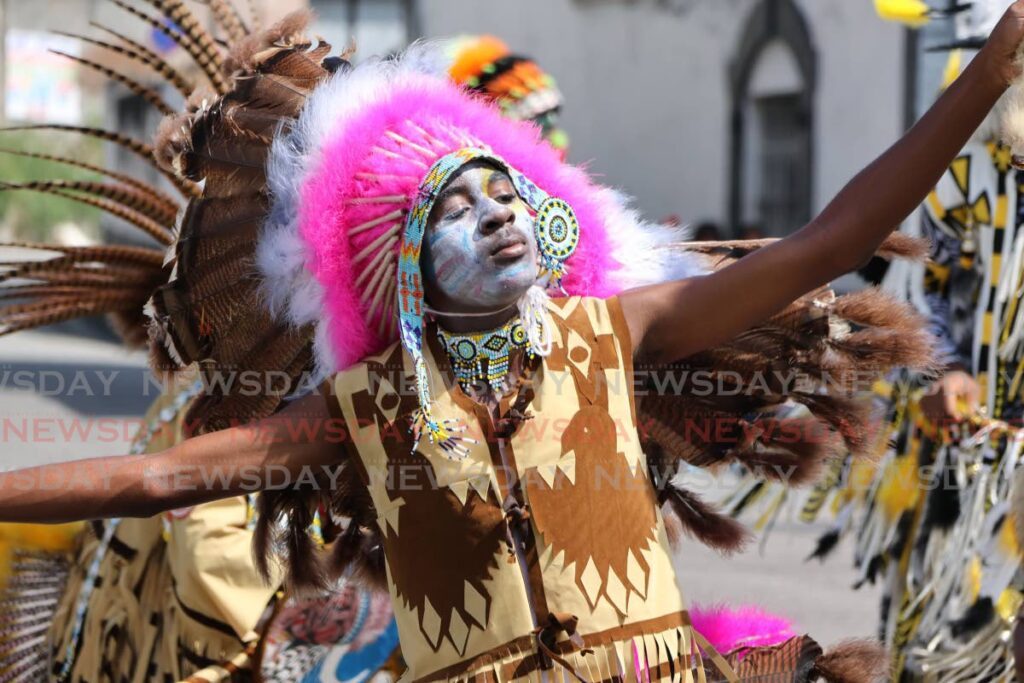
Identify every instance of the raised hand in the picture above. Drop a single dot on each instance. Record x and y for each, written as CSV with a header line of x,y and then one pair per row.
x,y
1001,55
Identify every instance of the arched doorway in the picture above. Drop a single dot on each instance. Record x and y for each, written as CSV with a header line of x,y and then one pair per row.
x,y
773,80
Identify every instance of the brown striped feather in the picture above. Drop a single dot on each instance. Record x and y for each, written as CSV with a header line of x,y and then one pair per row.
x,y
185,19
148,94
137,147
52,314
152,97
128,197
156,194
146,256
91,275
228,18
209,67
161,233
140,149
153,60
47,303
63,290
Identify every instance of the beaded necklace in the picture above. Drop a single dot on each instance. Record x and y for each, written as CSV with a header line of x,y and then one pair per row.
x,y
484,355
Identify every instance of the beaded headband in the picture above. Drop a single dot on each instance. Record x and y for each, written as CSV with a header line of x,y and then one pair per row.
x,y
555,228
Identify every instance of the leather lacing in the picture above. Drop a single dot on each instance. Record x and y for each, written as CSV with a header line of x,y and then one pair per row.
x,y
547,640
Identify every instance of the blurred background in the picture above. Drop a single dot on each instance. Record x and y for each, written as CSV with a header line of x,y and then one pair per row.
x,y
740,117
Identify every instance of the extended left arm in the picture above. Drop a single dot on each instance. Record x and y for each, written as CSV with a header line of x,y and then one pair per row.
x,y
674,320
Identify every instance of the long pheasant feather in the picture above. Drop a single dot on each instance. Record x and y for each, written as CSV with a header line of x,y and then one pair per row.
x,y
128,197
179,13
155,230
211,68
228,18
156,194
117,253
137,147
131,53
148,94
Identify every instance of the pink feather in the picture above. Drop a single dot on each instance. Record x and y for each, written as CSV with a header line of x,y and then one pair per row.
x,y
730,628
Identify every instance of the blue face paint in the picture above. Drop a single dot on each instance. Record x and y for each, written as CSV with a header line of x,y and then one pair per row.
x,y
480,251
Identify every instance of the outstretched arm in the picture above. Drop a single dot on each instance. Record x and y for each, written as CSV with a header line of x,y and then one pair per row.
x,y
674,320
276,451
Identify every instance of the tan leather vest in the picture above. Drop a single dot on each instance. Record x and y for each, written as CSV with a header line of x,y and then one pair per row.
x,y
551,516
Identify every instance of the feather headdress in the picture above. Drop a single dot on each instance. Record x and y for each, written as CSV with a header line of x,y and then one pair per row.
x,y
346,177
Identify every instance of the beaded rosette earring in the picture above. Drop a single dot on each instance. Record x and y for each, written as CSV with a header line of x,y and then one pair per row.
x,y
557,232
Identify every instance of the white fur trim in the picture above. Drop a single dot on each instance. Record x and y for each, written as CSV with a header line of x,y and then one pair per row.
x,y
642,247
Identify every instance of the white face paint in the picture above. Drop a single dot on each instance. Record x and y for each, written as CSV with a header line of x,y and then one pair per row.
x,y
479,250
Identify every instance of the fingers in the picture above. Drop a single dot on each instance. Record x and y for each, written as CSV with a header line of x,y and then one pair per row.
x,y
973,389
950,401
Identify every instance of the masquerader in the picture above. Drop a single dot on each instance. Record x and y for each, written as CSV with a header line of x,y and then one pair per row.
x,y
520,87
951,582
203,628
181,586
934,519
413,236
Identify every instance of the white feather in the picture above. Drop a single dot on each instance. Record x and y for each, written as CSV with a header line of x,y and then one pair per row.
x,y
642,248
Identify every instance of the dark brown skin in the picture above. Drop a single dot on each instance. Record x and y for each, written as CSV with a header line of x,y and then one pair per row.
x,y
667,321
145,485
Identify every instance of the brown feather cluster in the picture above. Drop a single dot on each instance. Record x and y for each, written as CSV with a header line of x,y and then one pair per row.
x,y
853,661
55,283
353,546
704,523
205,314
786,395
245,56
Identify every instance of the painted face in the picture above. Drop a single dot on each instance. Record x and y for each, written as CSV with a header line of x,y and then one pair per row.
x,y
479,250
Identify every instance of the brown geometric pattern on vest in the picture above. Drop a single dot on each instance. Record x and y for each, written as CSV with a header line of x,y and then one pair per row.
x,y
615,508
459,541
459,544
584,353
386,401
